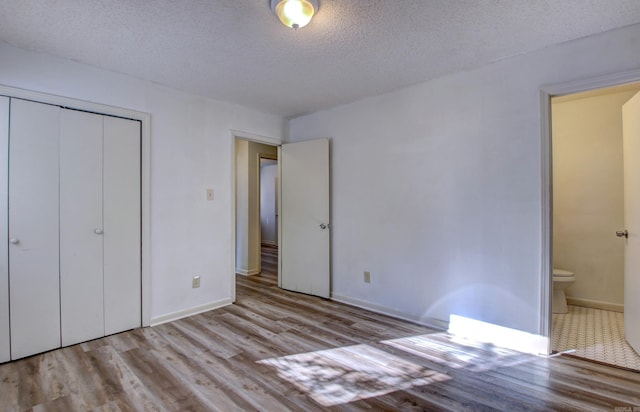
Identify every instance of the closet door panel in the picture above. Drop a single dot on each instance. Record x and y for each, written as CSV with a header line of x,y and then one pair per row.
x,y
81,289
5,353
122,280
33,228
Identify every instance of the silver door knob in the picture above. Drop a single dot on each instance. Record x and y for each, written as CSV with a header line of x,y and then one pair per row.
x,y
98,231
622,233
14,241
324,226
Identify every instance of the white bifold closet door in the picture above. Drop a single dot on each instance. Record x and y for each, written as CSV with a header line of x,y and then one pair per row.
x,y
74,227
99,225
33,228
122,225
81,229
5,352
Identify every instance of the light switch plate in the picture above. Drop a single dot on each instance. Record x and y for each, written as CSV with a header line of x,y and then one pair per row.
x,y
209,194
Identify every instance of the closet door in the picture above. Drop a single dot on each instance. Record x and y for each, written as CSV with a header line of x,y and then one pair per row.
x,y
81,277
5,353
33,228
122,287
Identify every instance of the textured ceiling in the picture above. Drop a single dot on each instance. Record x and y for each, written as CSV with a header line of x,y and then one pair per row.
x,y
237,51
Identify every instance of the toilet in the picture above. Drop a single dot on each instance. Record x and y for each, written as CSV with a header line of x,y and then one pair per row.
x,y
562,279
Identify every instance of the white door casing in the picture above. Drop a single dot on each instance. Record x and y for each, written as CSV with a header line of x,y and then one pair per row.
x,y
631,155
5,353
304,217
33,230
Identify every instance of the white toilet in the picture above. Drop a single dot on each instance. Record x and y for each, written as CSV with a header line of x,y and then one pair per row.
x,y
562,279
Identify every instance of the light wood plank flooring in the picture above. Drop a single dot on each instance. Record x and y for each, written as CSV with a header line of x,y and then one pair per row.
x,y
275,351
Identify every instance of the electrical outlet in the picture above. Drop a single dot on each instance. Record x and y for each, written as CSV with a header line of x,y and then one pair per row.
x,y
367,277
195,281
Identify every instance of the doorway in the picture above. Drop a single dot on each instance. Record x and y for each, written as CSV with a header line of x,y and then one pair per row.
x,y
587,208
303,212
256,246
268,204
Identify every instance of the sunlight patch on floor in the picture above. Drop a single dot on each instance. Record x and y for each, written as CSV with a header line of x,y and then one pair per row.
x,y
455,352
337,376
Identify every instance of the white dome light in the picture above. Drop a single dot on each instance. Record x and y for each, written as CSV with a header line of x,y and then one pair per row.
x,y
294,13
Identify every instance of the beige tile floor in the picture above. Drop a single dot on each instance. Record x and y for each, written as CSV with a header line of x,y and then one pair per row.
x,y
594,334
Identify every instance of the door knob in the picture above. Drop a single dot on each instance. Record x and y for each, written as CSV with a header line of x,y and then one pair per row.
x,y
98,231
324,226
14,241
622,233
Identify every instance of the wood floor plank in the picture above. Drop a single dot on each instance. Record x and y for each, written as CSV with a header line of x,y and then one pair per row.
x,y
206,334
133,394
247,394
205,385
290,396
62,404
159,381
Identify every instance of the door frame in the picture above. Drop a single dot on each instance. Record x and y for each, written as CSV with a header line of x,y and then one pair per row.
x,y
546,93
145,170
256,138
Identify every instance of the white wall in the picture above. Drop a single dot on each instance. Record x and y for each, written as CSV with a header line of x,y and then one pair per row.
x,y
190,151
268,176
588,195
248,204
452,224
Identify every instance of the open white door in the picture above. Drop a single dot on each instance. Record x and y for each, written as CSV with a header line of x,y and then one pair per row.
x,y
304,217
631,143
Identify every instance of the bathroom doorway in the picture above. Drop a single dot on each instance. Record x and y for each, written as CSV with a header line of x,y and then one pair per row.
x,y
587,210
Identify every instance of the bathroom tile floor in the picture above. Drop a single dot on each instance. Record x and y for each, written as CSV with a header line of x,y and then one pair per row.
x,y
594,334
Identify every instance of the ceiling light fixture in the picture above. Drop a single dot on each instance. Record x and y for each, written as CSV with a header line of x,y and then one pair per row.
x,y
294,13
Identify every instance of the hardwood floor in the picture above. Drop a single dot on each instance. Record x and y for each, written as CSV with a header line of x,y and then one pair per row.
x,y
269,264
274,350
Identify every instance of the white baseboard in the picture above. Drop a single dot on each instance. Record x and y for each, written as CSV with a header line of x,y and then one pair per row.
x,y
247,272
498,335
595,304
429,322
170,317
